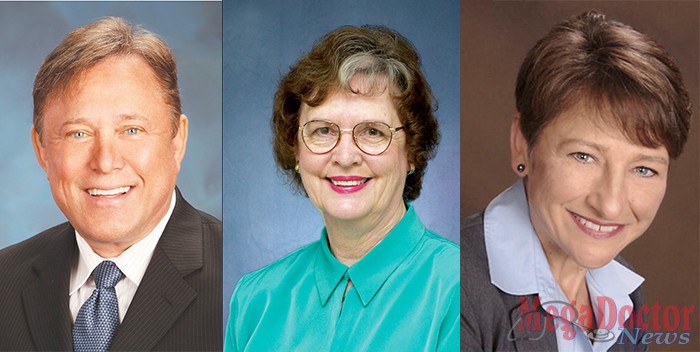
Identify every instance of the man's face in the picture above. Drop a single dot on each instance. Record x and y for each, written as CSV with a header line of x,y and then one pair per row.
x,y
108,150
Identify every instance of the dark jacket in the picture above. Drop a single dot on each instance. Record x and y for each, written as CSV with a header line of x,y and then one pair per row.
x,y
491,319
176,307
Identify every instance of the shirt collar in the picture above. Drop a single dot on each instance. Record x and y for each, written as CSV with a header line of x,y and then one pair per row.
x,y
517,263
370,273
132,262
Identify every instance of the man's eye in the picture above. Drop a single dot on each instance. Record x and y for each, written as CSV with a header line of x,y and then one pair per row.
x,y
78,134
132,131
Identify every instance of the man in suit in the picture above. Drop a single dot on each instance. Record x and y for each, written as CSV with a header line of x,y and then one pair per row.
x,y
135,267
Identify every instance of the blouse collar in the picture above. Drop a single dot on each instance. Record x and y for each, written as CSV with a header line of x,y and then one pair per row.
x,y
369,274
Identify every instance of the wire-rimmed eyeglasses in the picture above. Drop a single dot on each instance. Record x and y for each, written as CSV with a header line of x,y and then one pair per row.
x,y
372,137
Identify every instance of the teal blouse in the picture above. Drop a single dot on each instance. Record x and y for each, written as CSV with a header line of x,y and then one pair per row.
x,y
404,297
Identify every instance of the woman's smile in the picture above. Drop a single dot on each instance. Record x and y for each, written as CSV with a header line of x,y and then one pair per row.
x,y
348,184
596,229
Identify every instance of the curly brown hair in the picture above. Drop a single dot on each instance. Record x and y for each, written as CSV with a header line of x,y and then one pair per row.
x,y
613,67
385,59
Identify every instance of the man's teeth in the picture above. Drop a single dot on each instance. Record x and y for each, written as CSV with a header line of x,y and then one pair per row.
x,y
594,226
348,183
108,192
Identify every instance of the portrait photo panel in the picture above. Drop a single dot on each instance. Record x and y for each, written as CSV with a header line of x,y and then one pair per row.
x,y
495,39
264,217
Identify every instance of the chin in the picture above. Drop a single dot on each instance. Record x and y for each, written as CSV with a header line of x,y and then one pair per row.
x,y
594,261
347,211
346,215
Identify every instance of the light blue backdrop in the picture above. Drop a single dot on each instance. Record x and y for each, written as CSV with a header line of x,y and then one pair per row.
x,y
263,220
30,30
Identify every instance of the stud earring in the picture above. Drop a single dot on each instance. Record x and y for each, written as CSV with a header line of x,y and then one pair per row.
x,y
521,167
296,168
412,170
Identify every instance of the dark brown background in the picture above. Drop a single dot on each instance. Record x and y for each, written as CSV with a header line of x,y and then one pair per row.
x,y
495,37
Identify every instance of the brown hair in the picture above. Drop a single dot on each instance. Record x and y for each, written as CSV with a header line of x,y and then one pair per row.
x,y
386,60
617,70
86,46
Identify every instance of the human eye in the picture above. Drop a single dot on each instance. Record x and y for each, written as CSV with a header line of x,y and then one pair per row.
x,y
322,131
373,131
645,171
132,131
77,135
582,157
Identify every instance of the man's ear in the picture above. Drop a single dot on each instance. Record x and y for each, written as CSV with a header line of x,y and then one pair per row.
x,y
39,150
180,140
519,150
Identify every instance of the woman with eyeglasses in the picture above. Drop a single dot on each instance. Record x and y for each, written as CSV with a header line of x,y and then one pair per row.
x,y
353,128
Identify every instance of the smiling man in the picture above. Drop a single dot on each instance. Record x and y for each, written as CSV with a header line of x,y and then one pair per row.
x,y
135,267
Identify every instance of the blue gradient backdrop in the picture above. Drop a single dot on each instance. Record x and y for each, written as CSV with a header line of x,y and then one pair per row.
x,y
30,30
263,220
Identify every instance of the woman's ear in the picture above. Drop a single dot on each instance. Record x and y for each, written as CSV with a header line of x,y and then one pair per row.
x,y
519,160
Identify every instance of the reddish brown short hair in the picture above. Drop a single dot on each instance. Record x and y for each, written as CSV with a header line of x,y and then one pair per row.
x,y
388,61
613,67
87,46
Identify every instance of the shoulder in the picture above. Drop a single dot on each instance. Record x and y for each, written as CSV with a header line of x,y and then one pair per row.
x,y
268,278
186,218
211,226
484,308
436,256
209,220
439,246
473,258
17,262
472,226
185,210
28,250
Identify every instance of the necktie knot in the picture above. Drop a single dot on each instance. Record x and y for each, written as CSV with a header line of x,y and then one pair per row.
x,y
106,274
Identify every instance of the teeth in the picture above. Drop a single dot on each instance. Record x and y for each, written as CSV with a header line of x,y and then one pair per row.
x,y
595,227
108,192
348,183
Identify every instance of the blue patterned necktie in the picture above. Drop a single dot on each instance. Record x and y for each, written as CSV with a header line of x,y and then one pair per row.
x,y
98,317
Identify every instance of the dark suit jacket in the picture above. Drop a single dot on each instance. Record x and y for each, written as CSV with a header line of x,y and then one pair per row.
x,y
176,307
488,314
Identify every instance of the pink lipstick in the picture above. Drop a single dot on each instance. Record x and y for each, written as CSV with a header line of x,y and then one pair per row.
x,y
348,184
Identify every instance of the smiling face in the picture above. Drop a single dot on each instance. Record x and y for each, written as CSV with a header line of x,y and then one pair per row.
x,y
109,153
591,191
346,184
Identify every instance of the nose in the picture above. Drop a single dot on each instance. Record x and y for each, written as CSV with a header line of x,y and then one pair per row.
x,y
346,152
608,195
106,157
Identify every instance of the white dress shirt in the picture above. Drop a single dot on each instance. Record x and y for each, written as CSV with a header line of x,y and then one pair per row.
x,y
518,266
132,263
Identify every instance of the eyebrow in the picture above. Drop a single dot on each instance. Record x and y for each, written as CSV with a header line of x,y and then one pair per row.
x,y
122,117
639,157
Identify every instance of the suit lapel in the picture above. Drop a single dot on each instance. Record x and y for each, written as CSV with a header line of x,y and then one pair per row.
x,y
529,329
164,294
45,301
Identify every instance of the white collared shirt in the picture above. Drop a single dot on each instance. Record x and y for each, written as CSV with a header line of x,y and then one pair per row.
x,y
133,263
519,267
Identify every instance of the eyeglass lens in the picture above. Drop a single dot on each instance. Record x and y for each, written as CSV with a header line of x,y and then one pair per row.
x,y
372,137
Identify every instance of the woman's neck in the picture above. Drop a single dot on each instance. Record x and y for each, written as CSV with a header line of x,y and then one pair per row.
x,y
571,278
351,240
